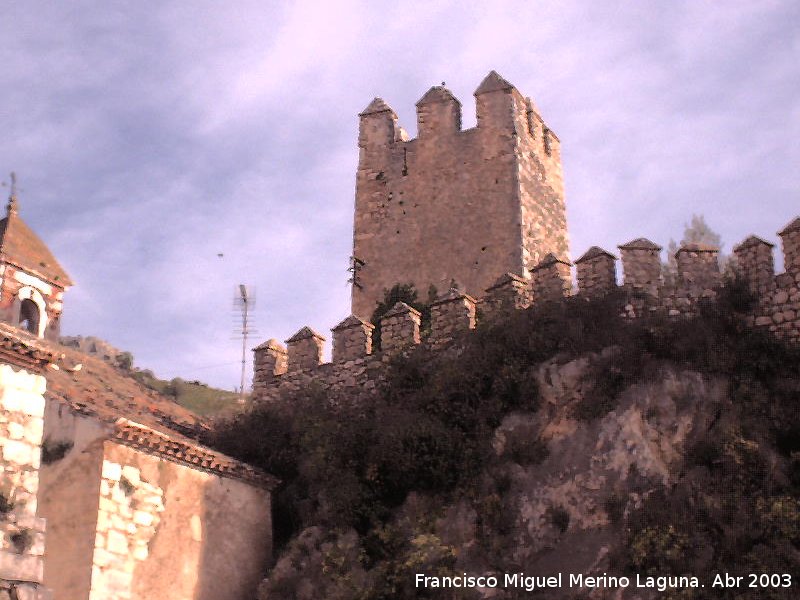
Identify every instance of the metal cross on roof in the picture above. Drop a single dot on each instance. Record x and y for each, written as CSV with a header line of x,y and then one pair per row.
x,y
12,193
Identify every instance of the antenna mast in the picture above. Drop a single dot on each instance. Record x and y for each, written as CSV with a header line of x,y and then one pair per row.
x,y
245,301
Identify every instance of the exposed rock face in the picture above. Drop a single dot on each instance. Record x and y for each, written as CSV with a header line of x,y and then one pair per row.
x,y
593,468
553,500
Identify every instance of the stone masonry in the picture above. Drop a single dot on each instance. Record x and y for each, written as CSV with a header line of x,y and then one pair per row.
x,y
357,366
127,519
400,327
22,532
596,272
455,204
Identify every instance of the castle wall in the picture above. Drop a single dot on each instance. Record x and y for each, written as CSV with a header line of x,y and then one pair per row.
x,y
454,314
454,204
22,531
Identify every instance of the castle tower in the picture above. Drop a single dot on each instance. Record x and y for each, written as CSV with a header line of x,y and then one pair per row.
x,y
32,283
453,204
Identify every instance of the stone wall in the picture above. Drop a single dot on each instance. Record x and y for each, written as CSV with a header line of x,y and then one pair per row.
x,y
22,532
128,525
128,515
455,204
453,314
779,296
166,530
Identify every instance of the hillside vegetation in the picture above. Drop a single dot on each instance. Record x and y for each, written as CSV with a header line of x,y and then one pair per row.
x,y
194,395
562,438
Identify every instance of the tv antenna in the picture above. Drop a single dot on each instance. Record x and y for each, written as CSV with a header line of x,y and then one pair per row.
x,y
244,301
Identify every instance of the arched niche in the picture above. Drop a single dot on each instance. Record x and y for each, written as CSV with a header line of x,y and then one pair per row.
x,y
32,311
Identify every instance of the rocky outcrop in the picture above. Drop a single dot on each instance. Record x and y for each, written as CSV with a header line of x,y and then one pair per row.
x,y
551,501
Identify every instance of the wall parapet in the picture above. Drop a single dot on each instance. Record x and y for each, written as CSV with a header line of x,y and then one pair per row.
x,y
304,349
451,313
357,365
641,265
400,328
551,278
352,339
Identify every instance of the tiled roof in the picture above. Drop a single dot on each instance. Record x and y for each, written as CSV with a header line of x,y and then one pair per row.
x,y
137,416
21,349
176,448
99,389
20,246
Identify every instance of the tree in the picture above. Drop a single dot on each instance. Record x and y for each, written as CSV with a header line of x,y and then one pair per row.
x,y
698,232
695,232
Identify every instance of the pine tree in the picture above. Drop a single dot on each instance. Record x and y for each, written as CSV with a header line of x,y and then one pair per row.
x,y
695,232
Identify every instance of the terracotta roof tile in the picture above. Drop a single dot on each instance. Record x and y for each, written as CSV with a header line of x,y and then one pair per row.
x,y
20,246
138,416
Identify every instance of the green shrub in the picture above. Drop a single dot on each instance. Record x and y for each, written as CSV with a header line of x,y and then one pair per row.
x,y
430,428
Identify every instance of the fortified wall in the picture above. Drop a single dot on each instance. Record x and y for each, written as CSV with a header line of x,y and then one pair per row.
x,y
356,367
452,203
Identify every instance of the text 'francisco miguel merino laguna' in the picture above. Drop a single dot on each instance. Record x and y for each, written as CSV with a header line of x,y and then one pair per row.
x,y
572,580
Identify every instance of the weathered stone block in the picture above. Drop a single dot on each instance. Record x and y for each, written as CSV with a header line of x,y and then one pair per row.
x,y
698,267
18,452
111,471
21,567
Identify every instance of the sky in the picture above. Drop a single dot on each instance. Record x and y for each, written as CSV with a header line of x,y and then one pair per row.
x,y
167,152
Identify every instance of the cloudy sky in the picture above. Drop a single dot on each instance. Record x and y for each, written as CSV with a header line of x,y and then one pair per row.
x,y
149,138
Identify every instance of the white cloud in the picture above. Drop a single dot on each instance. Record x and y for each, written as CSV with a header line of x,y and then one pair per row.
x,y
151,138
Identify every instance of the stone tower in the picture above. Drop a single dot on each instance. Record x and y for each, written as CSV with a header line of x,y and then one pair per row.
x,y
32,283
452,204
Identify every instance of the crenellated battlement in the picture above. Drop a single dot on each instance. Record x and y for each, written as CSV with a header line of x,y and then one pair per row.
x,y
455,313
455,203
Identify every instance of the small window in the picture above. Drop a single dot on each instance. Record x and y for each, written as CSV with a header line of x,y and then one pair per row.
x,y
531,124
548,148
29,316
